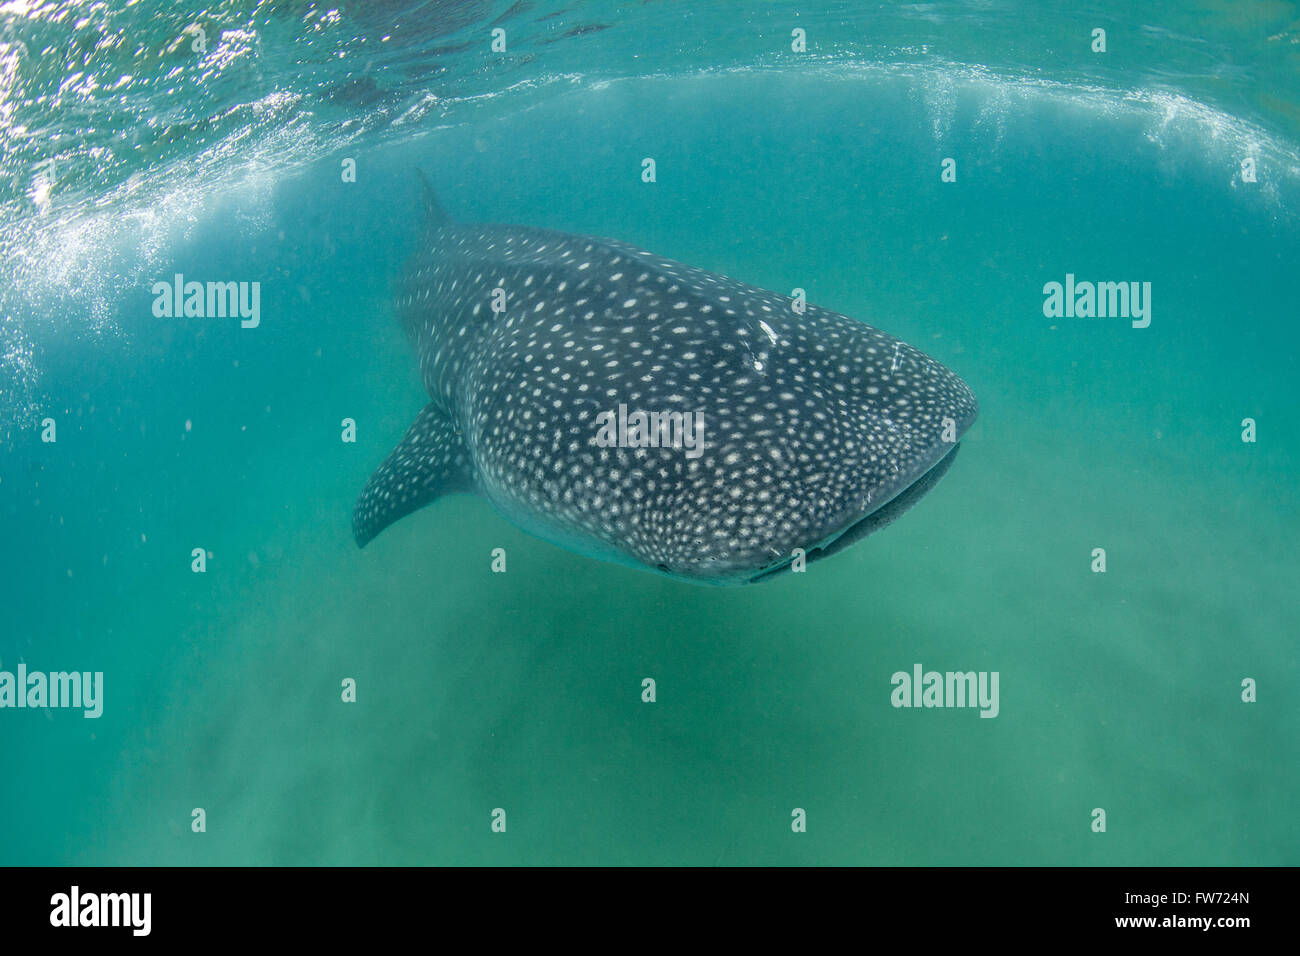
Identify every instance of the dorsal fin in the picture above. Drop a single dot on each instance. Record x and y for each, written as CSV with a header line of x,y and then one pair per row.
x,y
434,214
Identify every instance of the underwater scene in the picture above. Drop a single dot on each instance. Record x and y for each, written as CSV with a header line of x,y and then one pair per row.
x,y
663,433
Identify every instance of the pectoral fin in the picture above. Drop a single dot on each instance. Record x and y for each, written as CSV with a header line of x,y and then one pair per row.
x,y
430,461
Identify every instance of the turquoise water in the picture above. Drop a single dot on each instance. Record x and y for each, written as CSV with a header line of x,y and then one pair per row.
x,y
522,691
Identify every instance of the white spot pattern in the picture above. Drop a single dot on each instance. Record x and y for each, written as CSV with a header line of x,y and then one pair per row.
x,y
812,421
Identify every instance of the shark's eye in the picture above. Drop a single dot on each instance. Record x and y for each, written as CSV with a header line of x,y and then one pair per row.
x,y
663,567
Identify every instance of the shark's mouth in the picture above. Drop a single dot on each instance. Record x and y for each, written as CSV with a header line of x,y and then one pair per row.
x,y
891,511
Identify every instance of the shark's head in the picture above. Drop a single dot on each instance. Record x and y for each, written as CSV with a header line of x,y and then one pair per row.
x,y
808,476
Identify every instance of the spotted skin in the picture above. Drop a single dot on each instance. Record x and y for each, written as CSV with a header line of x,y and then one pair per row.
x,y
813,422
429,462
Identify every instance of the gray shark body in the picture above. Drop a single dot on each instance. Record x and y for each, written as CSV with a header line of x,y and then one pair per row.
x,y
817,429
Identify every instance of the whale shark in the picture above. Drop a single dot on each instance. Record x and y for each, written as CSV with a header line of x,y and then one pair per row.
x,y
635,409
